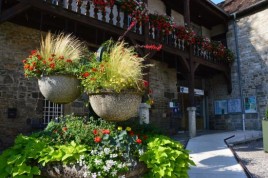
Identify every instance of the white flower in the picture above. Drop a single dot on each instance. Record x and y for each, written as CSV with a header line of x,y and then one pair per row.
x,y
113,155
110,163
98,162
141,152
94,152
93,175
85,174
123,176
114,173
106,168
106,151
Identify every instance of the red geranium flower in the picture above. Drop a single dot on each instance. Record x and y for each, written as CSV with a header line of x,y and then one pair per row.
x,y
64,129
131,133
139,141
106,131
97,139
86,74
33,52
145,83
95,131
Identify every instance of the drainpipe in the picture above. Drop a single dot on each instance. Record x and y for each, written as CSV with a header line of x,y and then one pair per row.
x,y
239,71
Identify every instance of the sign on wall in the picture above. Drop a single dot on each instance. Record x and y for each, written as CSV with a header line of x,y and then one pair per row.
x,y
196,91
234,106
250,104
220,107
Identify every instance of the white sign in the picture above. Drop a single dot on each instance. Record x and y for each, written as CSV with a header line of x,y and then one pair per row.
x,y
196,91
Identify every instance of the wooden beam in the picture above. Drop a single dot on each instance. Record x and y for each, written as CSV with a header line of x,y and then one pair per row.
x,y
14,10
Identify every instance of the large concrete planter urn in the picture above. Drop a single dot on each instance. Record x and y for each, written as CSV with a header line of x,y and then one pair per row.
x,y
115,106
76,171
60,89
265,134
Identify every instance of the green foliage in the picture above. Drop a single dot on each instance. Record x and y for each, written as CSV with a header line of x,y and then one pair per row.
x,y
20,160
73,128
67,153
266,114
166,158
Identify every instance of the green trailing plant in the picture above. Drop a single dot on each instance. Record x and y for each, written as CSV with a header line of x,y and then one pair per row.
x,y
166,158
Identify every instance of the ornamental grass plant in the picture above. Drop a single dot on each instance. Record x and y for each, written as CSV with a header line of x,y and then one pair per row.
x,y
119,69
58,54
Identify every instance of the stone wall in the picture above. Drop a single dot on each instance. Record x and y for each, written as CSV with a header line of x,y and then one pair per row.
x,y
252,34
16,91
163,84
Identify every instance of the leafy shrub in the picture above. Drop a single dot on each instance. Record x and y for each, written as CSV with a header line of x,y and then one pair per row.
x,y
73,128
166,158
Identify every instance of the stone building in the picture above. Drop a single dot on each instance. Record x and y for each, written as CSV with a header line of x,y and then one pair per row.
x,y
180,75
248,37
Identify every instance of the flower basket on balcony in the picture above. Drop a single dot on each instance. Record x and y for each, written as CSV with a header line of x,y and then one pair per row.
x,y
114,106
60,89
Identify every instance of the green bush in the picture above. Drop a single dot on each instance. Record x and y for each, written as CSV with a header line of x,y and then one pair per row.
x,y
166,158
73,128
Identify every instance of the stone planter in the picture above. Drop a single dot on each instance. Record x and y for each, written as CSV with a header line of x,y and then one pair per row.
x,y
115,106
265,134
60,89
76,171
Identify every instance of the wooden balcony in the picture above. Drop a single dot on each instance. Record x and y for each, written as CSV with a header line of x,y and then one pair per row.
x,y
95,27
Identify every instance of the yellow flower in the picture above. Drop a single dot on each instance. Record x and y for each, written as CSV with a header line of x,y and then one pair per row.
x,y
128,129
119,128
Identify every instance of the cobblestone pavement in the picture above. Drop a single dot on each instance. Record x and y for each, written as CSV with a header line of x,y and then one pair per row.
x,y
253,157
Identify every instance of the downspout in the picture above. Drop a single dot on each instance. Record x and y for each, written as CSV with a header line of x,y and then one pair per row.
x,y
239,71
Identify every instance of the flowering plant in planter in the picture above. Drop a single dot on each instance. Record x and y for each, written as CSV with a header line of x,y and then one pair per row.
x,y
162,22
119,69
102,4
136,9
58,54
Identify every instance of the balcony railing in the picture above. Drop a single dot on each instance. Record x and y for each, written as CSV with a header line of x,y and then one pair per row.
x,y
116,17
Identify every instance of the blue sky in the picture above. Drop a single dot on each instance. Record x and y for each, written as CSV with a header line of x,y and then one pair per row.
x,y
217,1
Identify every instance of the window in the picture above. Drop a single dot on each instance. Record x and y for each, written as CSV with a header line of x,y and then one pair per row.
x,y
51,111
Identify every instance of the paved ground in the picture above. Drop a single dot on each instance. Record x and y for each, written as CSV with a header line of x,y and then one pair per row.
x,y
212,156
253,157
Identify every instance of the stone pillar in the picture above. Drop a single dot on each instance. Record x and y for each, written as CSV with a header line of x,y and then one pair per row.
x,y
144,113
192,121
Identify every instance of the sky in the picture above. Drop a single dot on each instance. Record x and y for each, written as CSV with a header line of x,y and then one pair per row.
x,y
217,1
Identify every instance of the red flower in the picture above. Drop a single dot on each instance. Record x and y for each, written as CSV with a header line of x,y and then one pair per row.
x,y
24,61
69,61
50,59
31,68
52,65
97,139
139,141
33,52
106,131
94,70
39,57
86,74
44,61
64,129
145,83
95,131
26,66
53,55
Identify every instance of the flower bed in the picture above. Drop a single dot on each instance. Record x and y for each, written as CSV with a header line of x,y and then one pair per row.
x,y
93,148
